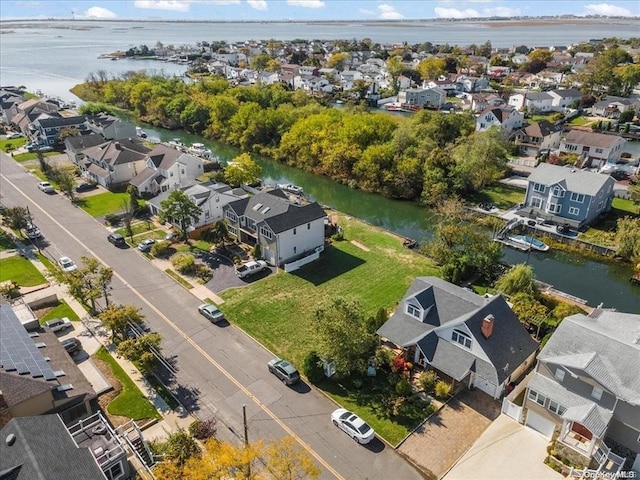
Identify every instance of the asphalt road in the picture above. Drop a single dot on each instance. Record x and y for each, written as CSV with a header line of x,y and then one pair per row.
x,y
218,368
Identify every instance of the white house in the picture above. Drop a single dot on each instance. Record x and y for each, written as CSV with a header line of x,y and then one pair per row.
x,y
111,128
505,118
532,102
311,84
595,148
285,231
115,163
348,78
423,97
564,98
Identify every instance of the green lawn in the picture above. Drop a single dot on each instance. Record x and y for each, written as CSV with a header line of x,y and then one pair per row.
x,y
604,231
62,310
6,243
501,195
102,203
580,121
21,271
131,402
138,227
538,117
625,206
51,266
8,145
23,157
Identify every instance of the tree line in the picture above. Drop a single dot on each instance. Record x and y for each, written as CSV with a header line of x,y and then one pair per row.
x,y
426,157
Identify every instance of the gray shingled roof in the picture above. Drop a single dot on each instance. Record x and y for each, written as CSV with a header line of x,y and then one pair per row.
x,y
117,152
61,121
571,179
44,450
591,139
579,409
607,348
80,142
537,96
542,129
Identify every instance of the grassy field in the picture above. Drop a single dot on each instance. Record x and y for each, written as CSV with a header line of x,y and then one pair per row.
x,y
625,206
278,310
21,271
131,402
102,203
62,310
23,157
8,145
580,121
139,227
604,232
501,195
6,243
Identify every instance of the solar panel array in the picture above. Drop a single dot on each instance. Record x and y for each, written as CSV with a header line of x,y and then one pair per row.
x,y
18,352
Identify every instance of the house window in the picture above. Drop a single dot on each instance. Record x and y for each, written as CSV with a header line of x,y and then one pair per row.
x,y
600,206
557,192
556,408
599,150
461,338
265,232
232,230
596,393
559,374
537,397
232,216
207,214
537,187
115,472
536,202
574,211
554,208
577,197
572,148
413,311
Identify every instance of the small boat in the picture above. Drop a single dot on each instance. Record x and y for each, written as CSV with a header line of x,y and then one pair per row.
x,y
393,108
200,150
141,133
529,242
291,188
176,143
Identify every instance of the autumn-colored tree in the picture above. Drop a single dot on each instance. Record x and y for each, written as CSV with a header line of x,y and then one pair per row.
x,y
242,170
118,317
431,68
338,61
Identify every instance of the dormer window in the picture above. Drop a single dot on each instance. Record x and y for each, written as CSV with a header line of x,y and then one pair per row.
x,y
461,338
413,311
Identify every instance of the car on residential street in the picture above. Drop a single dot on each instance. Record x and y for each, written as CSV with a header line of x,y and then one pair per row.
x,y
284,371
145,245
85,187
67,265
72,345
117,240
46,187
211,312
58,324
352,425
12,135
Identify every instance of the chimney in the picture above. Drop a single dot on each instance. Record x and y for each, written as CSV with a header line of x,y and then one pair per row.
x,y
487,325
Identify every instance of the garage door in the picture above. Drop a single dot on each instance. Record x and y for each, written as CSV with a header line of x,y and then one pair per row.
x,y
540,424
485,386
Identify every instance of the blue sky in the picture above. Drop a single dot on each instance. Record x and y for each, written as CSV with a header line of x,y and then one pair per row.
x,y
308,9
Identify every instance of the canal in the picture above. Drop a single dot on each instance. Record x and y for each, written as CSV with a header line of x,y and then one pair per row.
x,y
597,282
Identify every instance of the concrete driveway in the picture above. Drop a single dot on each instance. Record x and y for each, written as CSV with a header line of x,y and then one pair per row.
x,y
505,450
224,273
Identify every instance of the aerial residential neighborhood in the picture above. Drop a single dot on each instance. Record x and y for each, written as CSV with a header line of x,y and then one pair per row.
x,y
323,258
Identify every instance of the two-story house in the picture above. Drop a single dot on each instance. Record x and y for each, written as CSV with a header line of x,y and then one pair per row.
x,y
166,169
114,163
586,391
595,149
286,231
46,130
506,118
612,107
422,97
538,136
564,98
475,341
110,127
565,195
532,102
75,146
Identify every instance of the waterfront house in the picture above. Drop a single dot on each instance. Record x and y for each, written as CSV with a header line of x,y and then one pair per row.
x,y
75,146
348,78
538,136
474,341
445,83
114,163
167,168
46,130
565,195
110,127
594,149
585,391
470,84
286,231
8,98
211,197
422,97
506,118
612,107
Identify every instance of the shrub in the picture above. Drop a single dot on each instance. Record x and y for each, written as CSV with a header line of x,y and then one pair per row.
x,y
256,252
399,364
384,357
203,429
10,289
184,262
403,388
203,273
112,219
338,236
312,367
443,390
161,249
428,381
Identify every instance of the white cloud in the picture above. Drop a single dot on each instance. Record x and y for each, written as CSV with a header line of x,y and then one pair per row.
x,y
442,12
258,4
97,12
389,12
172,5
306,3
606,9
501,12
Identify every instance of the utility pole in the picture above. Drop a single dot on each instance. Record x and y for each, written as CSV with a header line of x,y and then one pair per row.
x,y
246,437
106,293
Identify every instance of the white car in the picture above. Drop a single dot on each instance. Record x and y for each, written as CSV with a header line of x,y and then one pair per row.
x,y
352,425
146,245
58,324
12,135
46,187
67,265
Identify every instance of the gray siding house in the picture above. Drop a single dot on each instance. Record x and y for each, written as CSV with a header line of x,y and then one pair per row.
x,y
567,195
586,391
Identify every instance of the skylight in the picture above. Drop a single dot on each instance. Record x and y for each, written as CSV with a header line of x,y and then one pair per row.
x,y
265,210
257,207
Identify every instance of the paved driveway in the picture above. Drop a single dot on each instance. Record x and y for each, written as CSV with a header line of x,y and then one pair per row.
x,y
437,444
224,273
505,450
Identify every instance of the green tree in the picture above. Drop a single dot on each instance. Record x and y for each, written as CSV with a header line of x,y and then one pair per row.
x,y
242,170
519,279
338,61
528,309
66,181
179,208
118,318
634,191
16,218
628,77
94,108
218,234
431,68
181,446
89,282
142,350
66,133
260,61
342,335
628,238
540,55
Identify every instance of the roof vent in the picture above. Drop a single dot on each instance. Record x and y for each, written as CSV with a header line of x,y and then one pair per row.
x,y
10,440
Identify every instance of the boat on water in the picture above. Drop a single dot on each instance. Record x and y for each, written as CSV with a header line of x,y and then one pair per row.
x,y
291,188
141,133
200,150
176,143
528,241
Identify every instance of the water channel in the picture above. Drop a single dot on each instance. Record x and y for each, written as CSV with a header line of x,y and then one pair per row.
x,y
596,282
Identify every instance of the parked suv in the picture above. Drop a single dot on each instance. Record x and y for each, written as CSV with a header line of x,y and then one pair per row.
x,y
116,239
58,324
72,345
284,371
